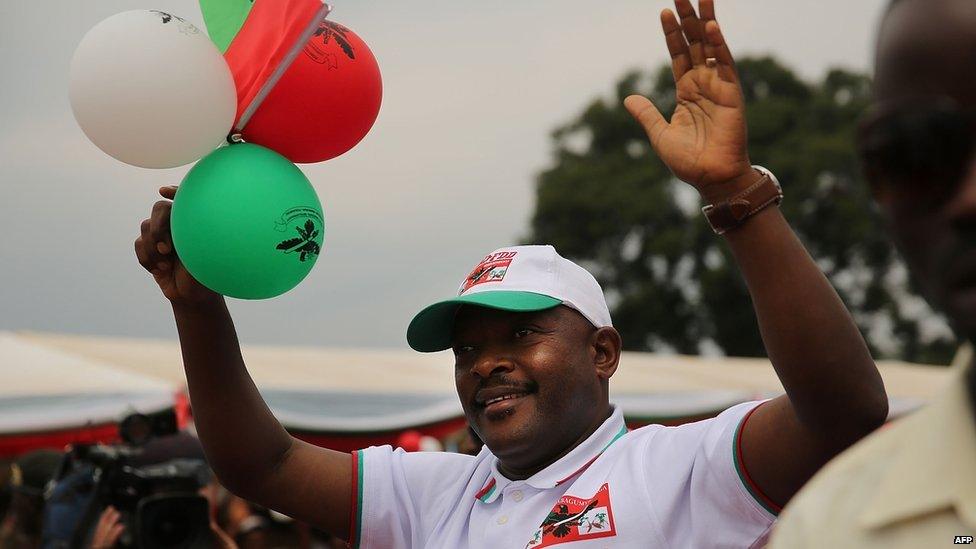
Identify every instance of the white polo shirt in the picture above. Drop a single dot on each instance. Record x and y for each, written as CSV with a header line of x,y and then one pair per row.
x,y
653,487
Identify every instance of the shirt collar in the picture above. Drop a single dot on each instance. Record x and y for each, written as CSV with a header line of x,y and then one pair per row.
x,y
567,467
935,466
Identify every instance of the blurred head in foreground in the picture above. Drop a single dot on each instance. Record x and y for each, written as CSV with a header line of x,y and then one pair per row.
x,y
917,148
911,484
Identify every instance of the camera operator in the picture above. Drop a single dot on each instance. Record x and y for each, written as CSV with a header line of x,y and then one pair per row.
x,y
154,491
28,477
108,530
243,529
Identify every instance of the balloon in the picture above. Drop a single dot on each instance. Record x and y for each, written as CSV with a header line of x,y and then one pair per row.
x,y
324,103
430,444
410,440
224,18
151,90
246,222
415,441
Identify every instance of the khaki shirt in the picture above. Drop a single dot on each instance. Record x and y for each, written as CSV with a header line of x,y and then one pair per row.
x,y
910,485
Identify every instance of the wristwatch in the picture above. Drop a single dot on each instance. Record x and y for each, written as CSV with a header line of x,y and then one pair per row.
x,y
729,214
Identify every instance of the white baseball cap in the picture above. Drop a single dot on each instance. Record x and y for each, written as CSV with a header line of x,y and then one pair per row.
x,y
519,279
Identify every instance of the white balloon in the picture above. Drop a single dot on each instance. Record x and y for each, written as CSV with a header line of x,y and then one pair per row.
x,y
430,444
151,89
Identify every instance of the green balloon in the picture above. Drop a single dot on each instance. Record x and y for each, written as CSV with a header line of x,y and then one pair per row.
x,y
247,223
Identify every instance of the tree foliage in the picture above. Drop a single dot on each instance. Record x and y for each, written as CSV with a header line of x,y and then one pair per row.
x,y
611,204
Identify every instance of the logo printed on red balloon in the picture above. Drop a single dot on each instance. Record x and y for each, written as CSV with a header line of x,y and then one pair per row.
x,y
329,30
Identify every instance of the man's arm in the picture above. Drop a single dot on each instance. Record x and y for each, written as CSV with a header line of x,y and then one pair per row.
x,y
251,453
834,394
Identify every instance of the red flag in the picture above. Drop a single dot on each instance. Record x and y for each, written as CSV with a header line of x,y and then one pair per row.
x,y
270,31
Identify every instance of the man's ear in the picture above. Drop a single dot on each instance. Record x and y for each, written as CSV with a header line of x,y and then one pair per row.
x,y
606,346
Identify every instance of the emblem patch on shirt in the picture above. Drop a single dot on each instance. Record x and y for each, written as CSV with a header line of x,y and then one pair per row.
x,y
491,269
576,519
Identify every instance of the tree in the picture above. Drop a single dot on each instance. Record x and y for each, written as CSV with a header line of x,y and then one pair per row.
x,y
609,203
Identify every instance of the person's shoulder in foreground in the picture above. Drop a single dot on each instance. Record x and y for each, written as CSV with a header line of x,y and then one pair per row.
x,y
914,484
654,486
911,484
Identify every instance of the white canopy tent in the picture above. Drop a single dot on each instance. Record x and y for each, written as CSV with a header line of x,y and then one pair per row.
x,y
649,386
43,388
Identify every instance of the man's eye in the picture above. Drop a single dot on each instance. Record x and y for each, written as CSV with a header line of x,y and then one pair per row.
x,y
463,349
523,332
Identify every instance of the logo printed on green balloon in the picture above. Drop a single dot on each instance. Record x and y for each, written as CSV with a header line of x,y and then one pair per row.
x,y
304,245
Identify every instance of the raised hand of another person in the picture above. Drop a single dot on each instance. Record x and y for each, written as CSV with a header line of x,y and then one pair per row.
x,y
154,249
108,530
704,144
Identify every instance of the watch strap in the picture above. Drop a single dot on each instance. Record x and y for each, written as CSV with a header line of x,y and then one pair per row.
x,y
729,214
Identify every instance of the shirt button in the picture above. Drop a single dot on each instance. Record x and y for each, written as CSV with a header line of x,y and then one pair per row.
x,y
517,495
502,519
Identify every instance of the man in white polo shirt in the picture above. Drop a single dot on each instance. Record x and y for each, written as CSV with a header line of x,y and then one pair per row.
x,y
534,349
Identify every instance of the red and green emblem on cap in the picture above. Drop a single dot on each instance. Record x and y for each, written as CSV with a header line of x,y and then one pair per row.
x,y
432,328
491,269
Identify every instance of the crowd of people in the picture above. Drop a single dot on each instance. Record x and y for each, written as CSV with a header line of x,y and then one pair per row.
x,y
27,520
29,487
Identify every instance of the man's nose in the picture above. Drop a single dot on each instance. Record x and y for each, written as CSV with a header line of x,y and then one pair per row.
x,y
961,209
491,362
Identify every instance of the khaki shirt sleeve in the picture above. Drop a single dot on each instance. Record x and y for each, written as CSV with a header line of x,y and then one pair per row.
x,y
788,533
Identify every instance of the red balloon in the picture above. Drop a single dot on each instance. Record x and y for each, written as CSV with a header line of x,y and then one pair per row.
x,y
409,441
326,101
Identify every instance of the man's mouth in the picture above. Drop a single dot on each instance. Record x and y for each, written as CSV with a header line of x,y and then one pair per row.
x,y
500,401
498,408
491,395
491,401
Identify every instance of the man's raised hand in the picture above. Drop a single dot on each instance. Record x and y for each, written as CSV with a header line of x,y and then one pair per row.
x,y
154,249
705,142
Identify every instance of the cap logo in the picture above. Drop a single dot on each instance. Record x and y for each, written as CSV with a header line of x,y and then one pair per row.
x,y
491,269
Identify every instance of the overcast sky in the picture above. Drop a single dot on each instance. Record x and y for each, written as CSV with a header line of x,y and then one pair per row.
x,y
471,92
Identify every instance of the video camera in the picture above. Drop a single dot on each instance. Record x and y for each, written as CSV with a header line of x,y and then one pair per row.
x,y
154,488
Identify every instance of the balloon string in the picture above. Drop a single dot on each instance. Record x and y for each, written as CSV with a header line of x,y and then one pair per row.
x,y
279,71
